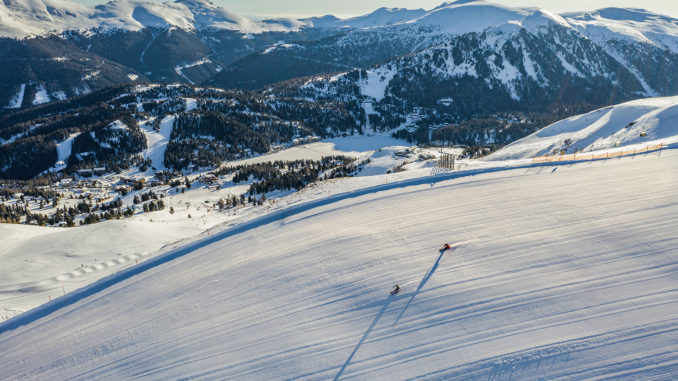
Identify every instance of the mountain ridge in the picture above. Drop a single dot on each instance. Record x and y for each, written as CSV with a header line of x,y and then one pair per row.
x,y
56,16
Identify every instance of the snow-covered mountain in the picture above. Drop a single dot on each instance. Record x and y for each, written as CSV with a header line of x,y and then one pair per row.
x,y
379,18
35,17
402,33
505,59
644,122
631,25
21,18
452,17
475,75
476,16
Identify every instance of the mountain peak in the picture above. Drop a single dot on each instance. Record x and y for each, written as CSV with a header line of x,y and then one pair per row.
x,y
464,16
627,24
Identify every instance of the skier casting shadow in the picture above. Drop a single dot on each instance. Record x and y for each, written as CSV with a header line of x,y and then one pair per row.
x,y
428,276
396,289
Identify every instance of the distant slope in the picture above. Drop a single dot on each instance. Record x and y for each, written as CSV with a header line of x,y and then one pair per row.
x,y
42,70
645,121
379,18
633,25
554,274
212,126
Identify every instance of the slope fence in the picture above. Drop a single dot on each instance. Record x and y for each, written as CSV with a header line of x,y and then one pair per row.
x,y
595,156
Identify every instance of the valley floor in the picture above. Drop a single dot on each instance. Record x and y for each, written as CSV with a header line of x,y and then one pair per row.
x,y
556,272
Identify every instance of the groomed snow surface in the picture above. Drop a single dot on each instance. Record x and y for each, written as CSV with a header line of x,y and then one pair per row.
x,y
157,140
630,125
42,263
562,271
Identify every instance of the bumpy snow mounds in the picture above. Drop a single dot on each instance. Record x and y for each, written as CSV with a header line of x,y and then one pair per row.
x,y
556,272
633,124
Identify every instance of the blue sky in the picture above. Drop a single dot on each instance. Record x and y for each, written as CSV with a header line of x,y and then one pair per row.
x,y
345,8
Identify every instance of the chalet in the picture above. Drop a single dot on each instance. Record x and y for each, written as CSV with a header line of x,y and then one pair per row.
x,y
209,179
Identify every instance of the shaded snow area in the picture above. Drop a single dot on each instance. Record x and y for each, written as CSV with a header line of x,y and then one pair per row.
x,y
179,68
564,271
64,150
38,262
18,99
281,45
634,124
16,137
157,140
41,96
379,18
59,95
377,81
191,104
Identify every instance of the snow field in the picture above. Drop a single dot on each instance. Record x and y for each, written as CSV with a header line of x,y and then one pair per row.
x,y
557,272
18,99
37,261
628,126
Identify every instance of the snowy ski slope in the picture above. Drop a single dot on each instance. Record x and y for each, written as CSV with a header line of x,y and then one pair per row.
x,y
557,272
157,141
39,263
635,124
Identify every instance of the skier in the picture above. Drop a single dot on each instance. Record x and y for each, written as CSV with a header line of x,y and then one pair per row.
x,y
447,246
396,289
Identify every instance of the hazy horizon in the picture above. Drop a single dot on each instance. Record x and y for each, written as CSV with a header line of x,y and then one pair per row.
x,y
350,8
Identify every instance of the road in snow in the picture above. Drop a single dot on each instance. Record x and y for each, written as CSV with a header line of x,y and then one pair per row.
x,y
558,271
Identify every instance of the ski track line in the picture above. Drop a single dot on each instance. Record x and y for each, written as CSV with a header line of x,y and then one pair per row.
x,y
510,301
412,354
499,364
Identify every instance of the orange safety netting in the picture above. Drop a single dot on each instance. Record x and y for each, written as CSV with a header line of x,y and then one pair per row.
x,y
593,156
